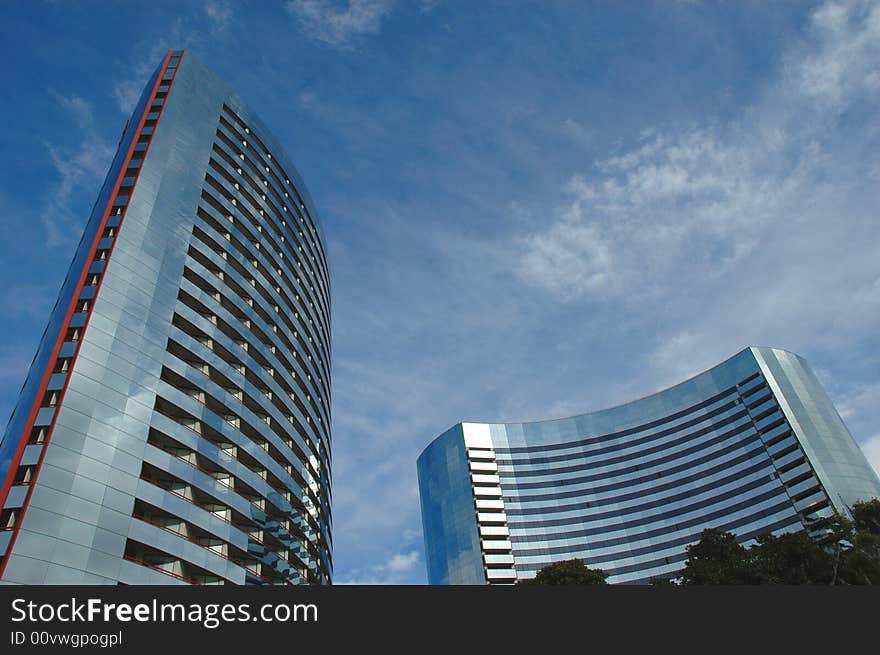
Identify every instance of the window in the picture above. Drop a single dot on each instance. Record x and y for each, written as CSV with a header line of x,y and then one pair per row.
x,y
38,434
191,423
8,519
24,475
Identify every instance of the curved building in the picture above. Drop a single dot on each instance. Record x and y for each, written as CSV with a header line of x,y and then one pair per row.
x,y
174,426
753,445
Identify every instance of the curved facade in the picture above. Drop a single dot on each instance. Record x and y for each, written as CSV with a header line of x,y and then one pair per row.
x,y
175,423
753,445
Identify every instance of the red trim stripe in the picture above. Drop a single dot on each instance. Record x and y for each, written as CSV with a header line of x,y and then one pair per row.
x,y
29,425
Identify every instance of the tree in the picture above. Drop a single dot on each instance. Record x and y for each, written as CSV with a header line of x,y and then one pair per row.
x,y
866,516
836,550
790,558
862,563
568,572
716,559
836,537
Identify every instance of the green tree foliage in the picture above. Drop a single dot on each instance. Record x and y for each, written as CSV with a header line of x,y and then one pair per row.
x,y
841,551
716,559
866,516
835,536
569,572
791,558
861,564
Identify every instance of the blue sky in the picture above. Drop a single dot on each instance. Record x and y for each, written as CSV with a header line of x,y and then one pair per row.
x,y
533,209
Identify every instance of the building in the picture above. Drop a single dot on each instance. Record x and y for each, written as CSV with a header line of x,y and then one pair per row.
x,y
750,446
174,426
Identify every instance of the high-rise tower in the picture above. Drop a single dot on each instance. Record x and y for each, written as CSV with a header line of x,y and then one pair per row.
x,y
753,445
175,423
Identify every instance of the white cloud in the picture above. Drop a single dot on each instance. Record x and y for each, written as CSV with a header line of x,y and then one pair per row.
x,y
847,36
860,400
180,34
859,406
674,354
683,204
219,13
570,259
77,168
79,107
126,92
402,563
871,448
339,25
393,571
671,203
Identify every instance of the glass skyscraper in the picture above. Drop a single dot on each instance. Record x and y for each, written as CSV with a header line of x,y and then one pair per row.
x,y
174,426
750,446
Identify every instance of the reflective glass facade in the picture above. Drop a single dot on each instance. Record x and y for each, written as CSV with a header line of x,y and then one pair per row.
x,y
174,426
753,445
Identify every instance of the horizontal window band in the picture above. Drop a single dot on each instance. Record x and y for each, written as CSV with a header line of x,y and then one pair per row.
x,y
672,559
600,463
621,433
615,447
684,495
746,429
680,541
669,517
672,484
